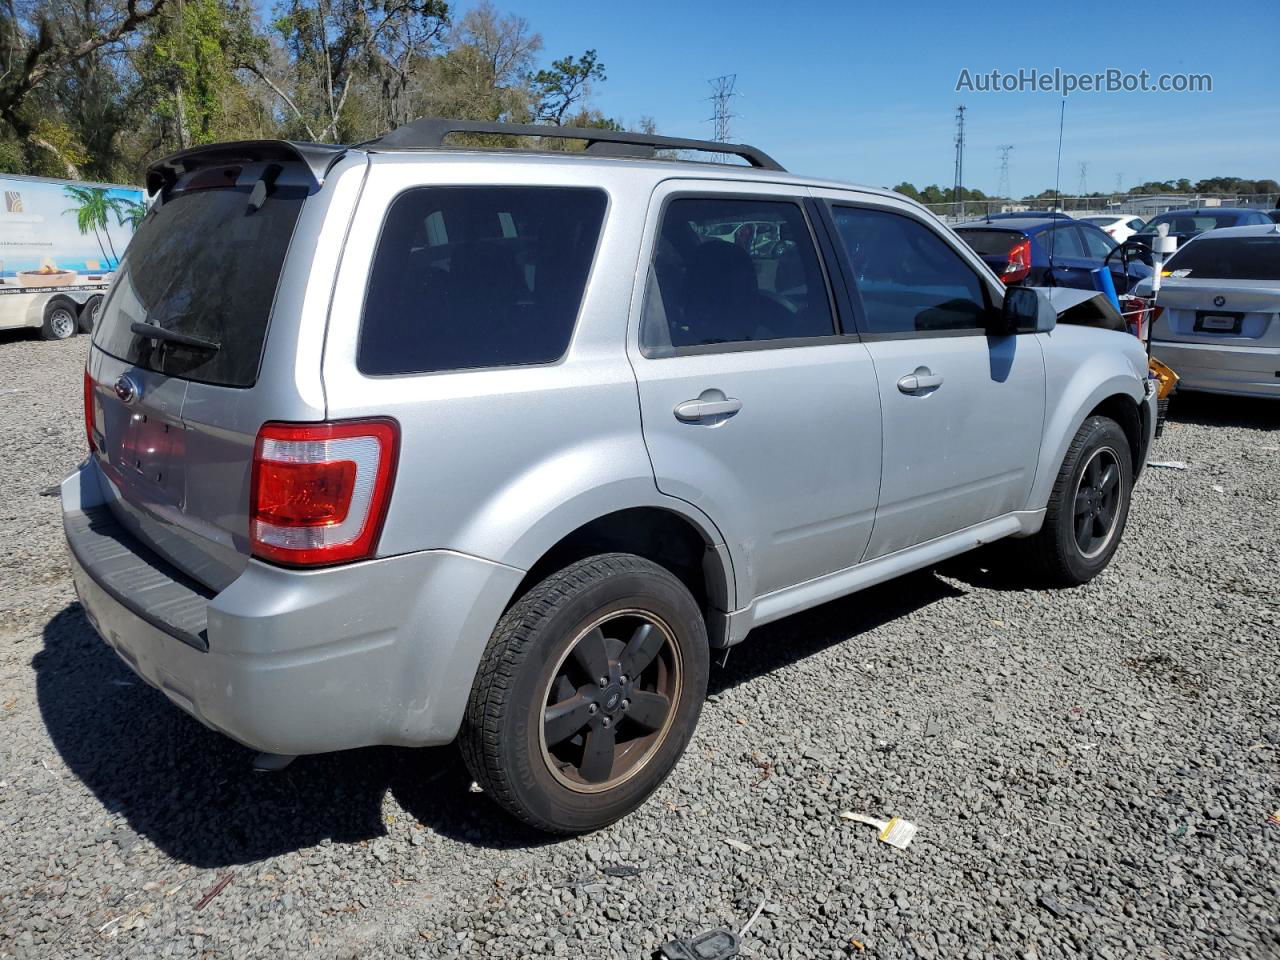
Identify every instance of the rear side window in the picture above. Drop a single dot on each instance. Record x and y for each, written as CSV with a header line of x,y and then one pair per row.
x,y
1064,242
992,243
468,277
203,264
1096,243
1229,258
731,271
909,278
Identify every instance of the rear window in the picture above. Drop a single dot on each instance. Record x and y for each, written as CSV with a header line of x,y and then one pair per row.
x,y
1199,222
203,264
991,243
468,277
1229,258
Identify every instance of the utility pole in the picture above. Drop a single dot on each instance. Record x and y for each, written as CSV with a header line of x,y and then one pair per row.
x,y
955,193
1003,189
721,93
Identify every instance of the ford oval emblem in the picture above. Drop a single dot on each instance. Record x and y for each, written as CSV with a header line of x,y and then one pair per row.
x,y
127,389
1219,300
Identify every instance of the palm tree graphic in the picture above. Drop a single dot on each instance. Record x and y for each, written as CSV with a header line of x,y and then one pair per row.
x,y
128,211
91,214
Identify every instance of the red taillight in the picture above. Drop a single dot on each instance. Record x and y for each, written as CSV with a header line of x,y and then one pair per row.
x,y
320,491
1019,265
88,410
1133,310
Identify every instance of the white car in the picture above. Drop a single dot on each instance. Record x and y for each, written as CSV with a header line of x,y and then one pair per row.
x,y
1118,227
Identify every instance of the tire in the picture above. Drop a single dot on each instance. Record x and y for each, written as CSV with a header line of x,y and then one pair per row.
x,y
89,313
1059,552
59,320
536,681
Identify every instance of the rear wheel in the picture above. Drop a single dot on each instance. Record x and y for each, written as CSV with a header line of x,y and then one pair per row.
x,y
588,693
89,313
1088,508
59,320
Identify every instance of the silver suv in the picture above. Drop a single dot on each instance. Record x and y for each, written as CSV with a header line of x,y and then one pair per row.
x,y
405,442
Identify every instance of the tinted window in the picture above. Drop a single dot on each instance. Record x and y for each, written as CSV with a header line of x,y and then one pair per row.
x,y
1186,221
733,271
1096,243
1063,242
1229,258
205,263
908,277
1136,224
992,243
468,277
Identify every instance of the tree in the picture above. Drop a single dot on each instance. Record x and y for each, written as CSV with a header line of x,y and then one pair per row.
x,y
36,49
485,74
566,83
335,45
189,63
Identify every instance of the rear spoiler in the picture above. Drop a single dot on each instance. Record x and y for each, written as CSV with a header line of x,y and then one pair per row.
x,y
318,158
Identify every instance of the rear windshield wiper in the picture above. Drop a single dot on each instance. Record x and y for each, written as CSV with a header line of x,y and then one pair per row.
x,y
152,332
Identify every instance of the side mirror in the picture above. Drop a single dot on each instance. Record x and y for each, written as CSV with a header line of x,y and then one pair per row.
x,y
1025,310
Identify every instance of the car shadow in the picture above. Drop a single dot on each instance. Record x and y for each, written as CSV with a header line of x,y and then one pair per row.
x,y
1216,410
782,643
193,793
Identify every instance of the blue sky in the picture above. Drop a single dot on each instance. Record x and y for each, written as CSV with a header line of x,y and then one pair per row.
x,y
866,91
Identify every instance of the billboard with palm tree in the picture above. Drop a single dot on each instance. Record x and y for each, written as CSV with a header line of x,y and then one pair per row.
x,y
53,232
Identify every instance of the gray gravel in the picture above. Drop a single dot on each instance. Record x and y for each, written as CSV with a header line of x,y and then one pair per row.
x,y
1091,770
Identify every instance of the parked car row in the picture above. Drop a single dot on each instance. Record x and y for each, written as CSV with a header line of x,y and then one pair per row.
x,y
485,479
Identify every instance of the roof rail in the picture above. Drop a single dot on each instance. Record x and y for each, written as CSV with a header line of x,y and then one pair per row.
x,y
431,132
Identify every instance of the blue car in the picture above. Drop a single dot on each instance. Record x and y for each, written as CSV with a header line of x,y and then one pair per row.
x,y
1018,250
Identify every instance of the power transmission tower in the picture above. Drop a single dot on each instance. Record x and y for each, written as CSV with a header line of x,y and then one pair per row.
x,y
1084,179
1119,182
721,93
955,193
1003,189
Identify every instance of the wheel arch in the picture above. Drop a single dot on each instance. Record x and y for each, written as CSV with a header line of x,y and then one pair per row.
x,y
689,547
1116,395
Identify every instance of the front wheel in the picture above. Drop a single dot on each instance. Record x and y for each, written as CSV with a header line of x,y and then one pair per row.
x,y
59,320
1088,507
587,694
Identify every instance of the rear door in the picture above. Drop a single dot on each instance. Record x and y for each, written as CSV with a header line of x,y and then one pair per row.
x,y
963,413
756,406
179,387
1072,264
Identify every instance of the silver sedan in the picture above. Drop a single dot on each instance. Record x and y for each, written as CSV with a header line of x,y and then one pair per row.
x,y
1217,320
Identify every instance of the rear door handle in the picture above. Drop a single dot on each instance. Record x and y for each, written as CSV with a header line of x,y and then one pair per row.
x,y
922,379
710,404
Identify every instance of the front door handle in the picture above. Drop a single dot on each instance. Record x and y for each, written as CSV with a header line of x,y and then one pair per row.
x,y
710,404
922,379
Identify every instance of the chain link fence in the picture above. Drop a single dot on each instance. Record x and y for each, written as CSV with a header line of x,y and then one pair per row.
x,y
1145,206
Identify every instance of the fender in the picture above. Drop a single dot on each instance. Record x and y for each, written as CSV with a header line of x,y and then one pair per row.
x,y
1083,367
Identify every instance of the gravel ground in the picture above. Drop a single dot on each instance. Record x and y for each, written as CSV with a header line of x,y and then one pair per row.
x,y
1091,770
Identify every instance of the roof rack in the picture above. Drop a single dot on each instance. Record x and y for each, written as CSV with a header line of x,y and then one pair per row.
x,y
431,132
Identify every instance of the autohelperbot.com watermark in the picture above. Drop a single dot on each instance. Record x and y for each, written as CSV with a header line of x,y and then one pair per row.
x,y
1065,82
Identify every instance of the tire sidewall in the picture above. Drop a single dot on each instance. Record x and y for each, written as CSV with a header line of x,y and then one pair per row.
x,y
1099,432
543,797
47,329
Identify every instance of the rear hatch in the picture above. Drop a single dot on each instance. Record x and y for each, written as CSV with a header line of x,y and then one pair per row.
x,y
1223,291
176,376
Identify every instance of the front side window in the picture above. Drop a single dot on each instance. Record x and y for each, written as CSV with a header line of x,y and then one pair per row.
x,y
468,277
730,271
909,279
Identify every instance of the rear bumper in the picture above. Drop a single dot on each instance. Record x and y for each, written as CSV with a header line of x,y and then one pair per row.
x,y
1220,368
294,662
